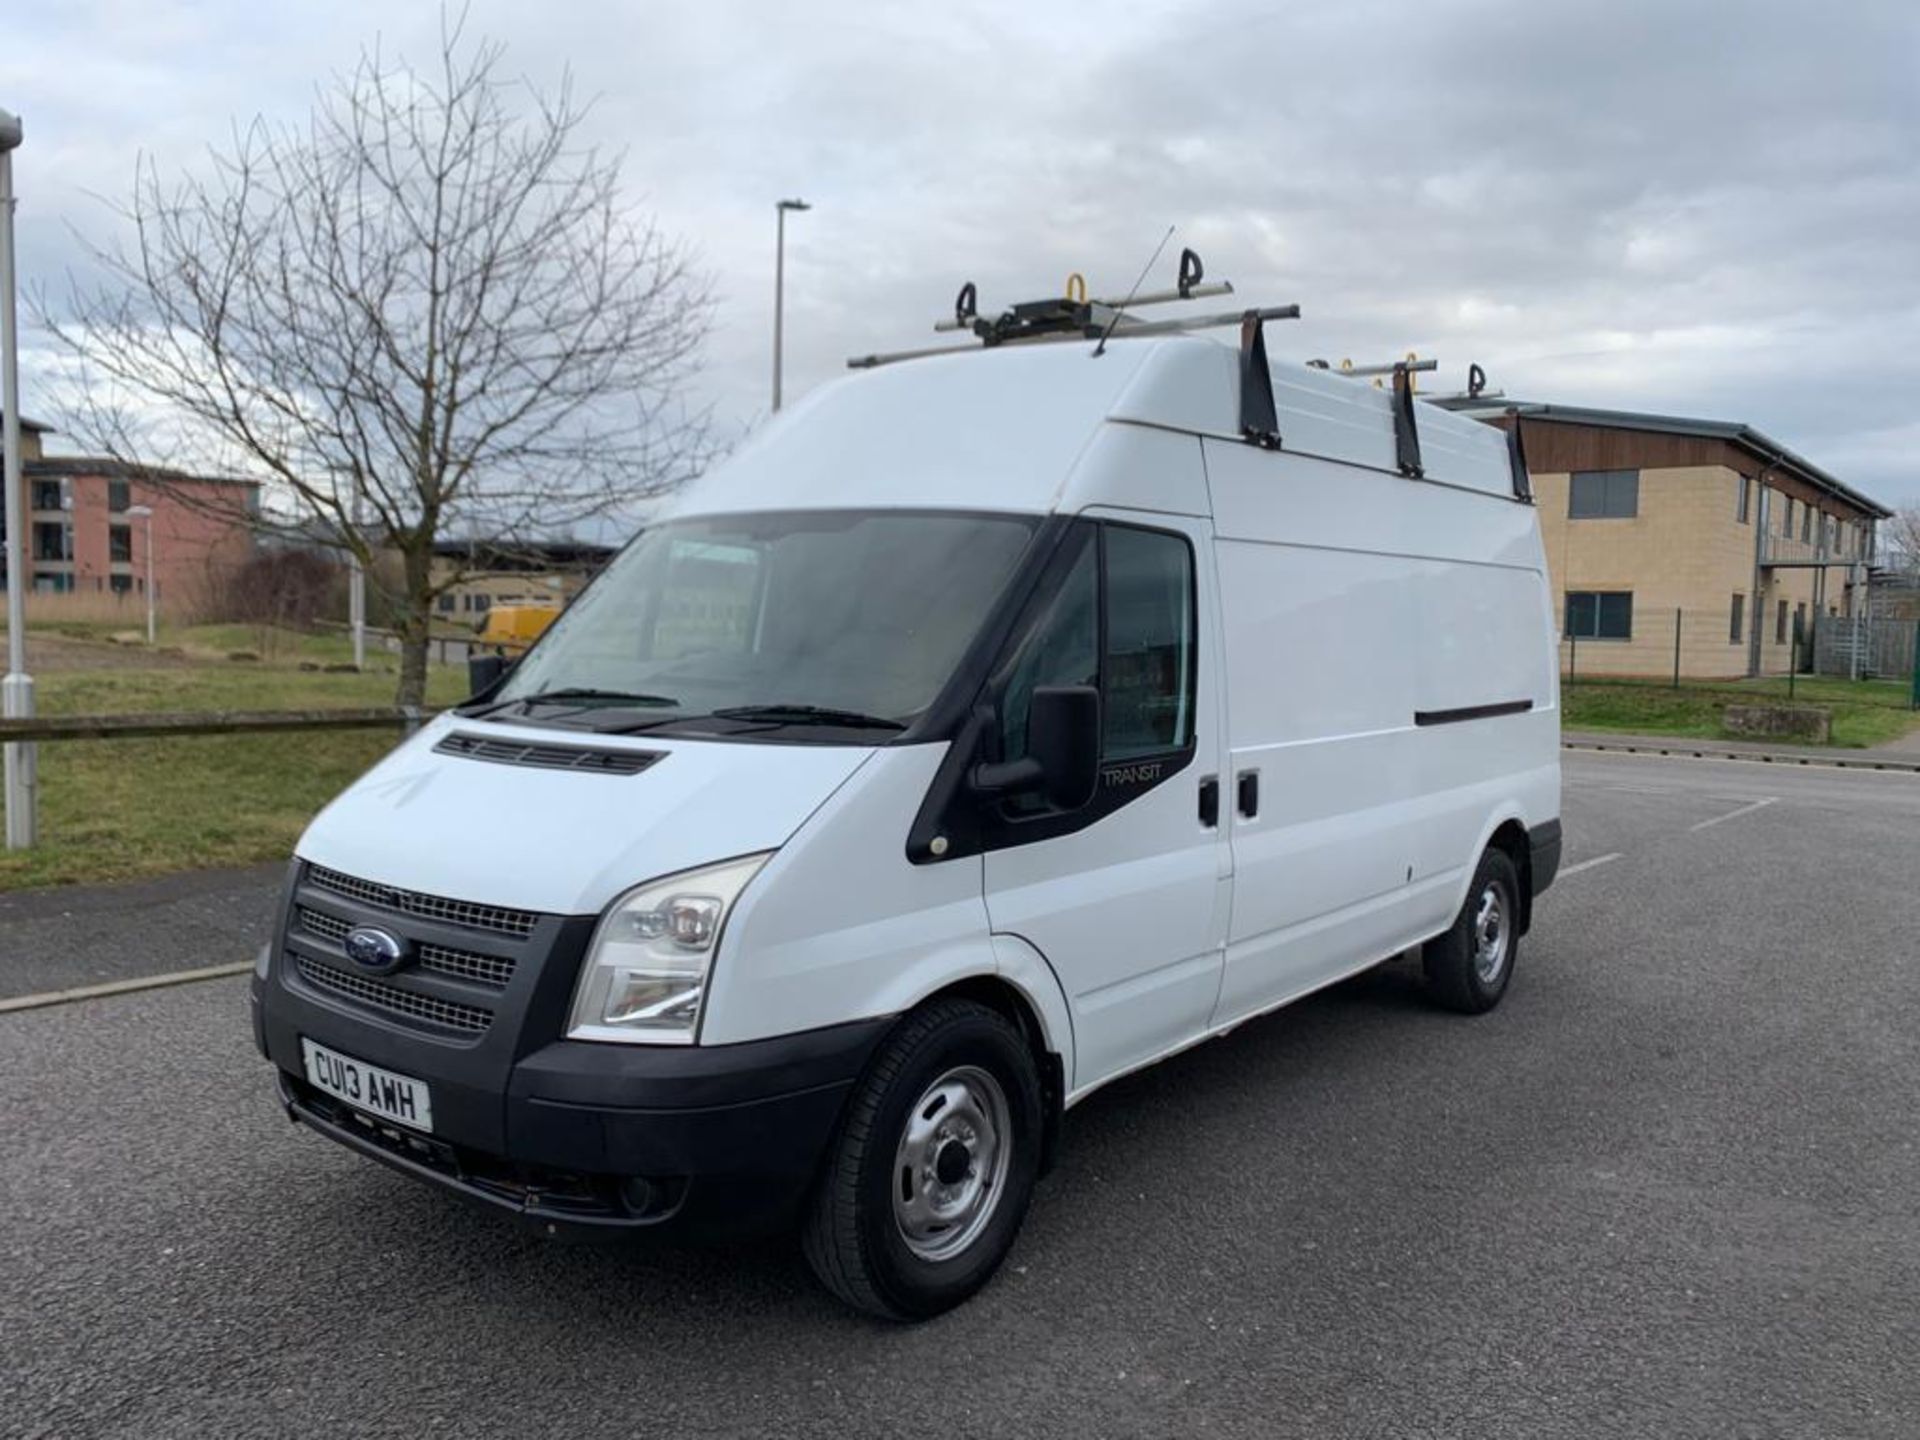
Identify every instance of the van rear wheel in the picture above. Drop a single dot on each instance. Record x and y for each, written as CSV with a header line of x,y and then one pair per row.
x,y
1469,966
930,1174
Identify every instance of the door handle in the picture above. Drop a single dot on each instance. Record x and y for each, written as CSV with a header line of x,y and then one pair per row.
x,y
1247,793
1210,801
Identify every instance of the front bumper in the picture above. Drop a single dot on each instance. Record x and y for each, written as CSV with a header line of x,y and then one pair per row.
x,y
554,1131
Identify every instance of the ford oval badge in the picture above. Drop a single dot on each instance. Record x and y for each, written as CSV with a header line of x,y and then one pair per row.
x,y
372,948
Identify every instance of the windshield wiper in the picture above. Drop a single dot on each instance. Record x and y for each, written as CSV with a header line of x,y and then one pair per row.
x,y
807,715
587,692
582,695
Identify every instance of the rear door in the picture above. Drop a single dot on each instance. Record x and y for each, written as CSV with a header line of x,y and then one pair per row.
x,y
1128,897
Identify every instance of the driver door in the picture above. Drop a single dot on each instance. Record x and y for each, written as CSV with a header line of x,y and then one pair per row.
x,y
1126,897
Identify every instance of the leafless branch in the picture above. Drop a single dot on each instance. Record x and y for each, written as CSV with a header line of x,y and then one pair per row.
x,y
429,310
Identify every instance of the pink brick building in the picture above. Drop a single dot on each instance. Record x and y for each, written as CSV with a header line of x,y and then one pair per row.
x,y
81,537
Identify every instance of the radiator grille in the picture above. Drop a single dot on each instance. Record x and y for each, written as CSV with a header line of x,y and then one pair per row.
x,y
450,1014
430,907
548,757
486,969
494,970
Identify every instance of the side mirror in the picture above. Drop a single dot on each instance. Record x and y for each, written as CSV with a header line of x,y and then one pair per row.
x,y
1063,749
484,672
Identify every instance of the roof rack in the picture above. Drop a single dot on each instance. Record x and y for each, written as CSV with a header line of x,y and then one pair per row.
x,y
1073,316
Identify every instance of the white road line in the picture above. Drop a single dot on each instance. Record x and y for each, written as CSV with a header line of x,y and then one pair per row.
x,y
1586,865
1735,814
122,987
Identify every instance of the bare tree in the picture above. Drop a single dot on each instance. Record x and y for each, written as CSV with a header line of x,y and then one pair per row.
x,y
426,311
1900,538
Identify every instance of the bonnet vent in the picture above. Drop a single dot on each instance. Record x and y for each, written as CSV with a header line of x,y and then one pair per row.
x,y
548,757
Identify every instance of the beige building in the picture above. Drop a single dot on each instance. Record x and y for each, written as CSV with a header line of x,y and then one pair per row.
x,y
480,575
1699,538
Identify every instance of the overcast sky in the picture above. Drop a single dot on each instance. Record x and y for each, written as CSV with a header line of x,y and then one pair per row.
x,y
1707,209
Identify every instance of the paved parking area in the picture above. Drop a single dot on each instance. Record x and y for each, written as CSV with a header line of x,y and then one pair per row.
x,y
1668,1189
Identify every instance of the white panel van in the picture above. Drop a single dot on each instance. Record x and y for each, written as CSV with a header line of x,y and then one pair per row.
x,y
987,728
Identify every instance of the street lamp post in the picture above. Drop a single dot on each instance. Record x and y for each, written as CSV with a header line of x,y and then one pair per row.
x,y
16,691
145,512
780,210
357,591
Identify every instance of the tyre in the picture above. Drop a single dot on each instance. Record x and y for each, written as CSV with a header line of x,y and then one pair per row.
x,y
1469,966
929,1175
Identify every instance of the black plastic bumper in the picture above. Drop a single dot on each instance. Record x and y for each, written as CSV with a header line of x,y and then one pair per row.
x,y
725,1137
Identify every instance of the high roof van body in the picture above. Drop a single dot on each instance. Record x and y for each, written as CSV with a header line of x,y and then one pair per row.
x,y
985,729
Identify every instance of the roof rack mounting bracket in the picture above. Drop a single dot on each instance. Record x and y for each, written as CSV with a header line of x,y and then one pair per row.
x,y
1517,458
1259,421
1192,272
1406,430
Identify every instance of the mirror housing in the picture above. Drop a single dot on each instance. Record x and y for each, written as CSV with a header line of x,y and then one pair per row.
x,y
484,672
1063,749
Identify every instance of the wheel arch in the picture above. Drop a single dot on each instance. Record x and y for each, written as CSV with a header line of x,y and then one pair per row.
x,y
1508,833
1050,1047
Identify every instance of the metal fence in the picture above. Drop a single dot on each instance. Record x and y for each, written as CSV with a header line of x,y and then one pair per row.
x,y
1698,648
1859,648
20,738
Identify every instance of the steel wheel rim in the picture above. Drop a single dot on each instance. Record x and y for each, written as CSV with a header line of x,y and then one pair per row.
x,y
1490,934
950,1168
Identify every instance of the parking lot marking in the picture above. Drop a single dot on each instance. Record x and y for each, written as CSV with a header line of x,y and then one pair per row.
x,y
1587,864
1760,804
122,987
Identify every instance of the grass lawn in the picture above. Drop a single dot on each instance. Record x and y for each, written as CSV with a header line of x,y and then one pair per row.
x,y
120,809
1865,712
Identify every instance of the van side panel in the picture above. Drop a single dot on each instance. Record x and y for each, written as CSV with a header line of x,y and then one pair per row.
x,y
1356,606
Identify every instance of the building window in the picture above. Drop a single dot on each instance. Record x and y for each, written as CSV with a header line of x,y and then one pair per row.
x,y
1780,624
1800,622
51,582
481,602
1739,625
50,540
1742,508
1604,495
120,584
1806,523
446,604
1786,519
119,496
46,494
120,544
1600,614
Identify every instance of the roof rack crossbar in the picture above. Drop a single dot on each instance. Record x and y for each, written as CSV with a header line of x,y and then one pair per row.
x,y
1361,372
1098,317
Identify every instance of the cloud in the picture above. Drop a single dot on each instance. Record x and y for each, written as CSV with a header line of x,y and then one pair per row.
x,y
1705,209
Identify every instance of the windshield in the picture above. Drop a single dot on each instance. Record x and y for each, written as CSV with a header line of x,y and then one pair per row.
x,y
858,612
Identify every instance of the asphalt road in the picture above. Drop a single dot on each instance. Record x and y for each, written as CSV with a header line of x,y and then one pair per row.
x,y
1670,1188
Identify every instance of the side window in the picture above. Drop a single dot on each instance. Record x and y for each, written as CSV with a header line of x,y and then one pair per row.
x,y
1148,703
1062,649
1136,644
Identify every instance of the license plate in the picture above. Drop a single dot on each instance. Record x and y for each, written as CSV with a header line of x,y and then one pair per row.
x,y
399,1098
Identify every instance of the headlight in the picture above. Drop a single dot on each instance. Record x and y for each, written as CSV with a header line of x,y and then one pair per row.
x,y
645,974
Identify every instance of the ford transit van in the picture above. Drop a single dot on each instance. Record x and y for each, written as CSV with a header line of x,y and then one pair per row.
x,y
985,729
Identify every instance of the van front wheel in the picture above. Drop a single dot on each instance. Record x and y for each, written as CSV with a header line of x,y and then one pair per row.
x,y
1468,967
929,1176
